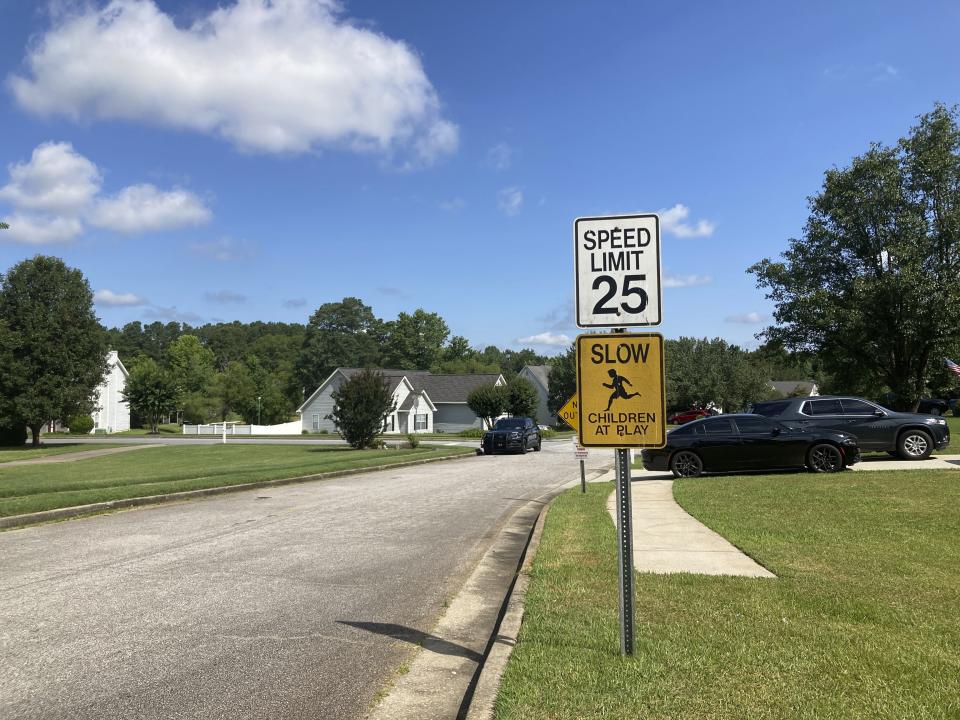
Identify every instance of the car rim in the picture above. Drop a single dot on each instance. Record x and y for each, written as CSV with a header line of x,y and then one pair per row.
x,y
825,458
915,445
687,465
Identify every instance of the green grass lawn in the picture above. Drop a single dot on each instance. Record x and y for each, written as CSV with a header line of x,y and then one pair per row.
x,y
954,447
862,622
154,471
168,429
29,453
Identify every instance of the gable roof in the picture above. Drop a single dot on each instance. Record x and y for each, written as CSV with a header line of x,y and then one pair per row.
x,y
452,388
540,373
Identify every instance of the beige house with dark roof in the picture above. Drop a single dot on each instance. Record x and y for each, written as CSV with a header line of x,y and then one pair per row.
x,y
426,402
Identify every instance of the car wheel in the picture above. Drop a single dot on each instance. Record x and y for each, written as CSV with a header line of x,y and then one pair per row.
x,y
538,445
914,445
686,464
824,458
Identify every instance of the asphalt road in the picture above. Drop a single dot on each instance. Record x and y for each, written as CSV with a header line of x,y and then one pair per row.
x,y
292,602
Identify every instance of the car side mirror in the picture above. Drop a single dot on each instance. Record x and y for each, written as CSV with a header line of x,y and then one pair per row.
x,y
879,413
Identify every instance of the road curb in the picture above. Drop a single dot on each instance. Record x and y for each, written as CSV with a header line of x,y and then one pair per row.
x,y
505,638
16,521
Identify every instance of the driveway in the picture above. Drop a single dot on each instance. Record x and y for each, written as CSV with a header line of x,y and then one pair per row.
x,y
293,602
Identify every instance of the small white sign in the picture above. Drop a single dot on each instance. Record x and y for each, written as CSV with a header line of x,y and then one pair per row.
x,y
617,261
579,451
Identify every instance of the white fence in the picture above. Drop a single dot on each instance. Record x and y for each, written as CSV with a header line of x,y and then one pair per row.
x,y
290,428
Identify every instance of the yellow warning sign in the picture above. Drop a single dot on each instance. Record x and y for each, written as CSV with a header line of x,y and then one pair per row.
x,y
570,413
620,390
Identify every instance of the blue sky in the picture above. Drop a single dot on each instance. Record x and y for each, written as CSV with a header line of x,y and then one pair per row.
x,y
260,159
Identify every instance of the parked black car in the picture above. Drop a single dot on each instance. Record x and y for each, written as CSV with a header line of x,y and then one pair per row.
x,y
912,436
750,442
515,434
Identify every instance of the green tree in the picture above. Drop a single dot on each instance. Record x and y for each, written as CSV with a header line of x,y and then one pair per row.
x,y
360,408
4,226
522,398
150,391
56,349
235,392
706,373
415,342
342,334
488,402
562,383
871,287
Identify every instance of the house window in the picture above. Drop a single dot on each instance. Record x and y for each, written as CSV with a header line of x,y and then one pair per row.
x,y
420,422
389,425
316,421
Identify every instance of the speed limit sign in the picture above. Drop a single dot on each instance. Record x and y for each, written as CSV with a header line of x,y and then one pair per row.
x,y
617,270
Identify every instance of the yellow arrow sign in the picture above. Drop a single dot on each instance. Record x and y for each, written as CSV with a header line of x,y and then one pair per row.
x,y
620,390
570,412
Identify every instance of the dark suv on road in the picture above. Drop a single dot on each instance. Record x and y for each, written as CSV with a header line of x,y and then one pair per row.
x,y
912,436
514,434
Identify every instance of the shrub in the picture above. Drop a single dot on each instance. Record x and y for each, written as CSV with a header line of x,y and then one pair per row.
x,y
471,433
548,433
360,408
522,398
13,435
80,424
488,402
413,440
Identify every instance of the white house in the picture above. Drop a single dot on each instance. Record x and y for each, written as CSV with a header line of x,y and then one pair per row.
x,y
539,377
426,402
111,412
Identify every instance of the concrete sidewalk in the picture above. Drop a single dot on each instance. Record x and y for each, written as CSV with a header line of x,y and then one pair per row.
x,y
885,462
666,539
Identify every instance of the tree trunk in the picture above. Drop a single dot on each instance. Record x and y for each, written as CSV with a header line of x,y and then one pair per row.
x,y
35,431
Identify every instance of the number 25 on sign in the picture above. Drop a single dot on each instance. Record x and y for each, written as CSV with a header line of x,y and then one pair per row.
x,y
618,270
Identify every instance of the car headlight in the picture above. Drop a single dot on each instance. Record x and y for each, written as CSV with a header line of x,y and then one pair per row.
x,y
936,421
849,441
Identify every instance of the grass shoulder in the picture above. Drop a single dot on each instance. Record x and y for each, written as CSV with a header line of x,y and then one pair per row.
x,y
28,452
159,470
861,621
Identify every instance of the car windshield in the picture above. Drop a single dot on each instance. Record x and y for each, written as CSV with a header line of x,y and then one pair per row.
x,y
508,424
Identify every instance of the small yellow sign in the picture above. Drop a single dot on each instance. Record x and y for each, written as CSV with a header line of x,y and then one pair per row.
x,y
570,412
620,387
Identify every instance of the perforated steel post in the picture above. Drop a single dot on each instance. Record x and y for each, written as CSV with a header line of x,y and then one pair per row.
x,y
625,551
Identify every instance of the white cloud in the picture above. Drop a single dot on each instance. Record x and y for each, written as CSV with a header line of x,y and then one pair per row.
x,y
112,299
750,318
171,314
672,220
500,156
453,205
682,281
510,200
226,296
40,229
545,338
295,302
267,75
58,191
57,179
225,249
144,208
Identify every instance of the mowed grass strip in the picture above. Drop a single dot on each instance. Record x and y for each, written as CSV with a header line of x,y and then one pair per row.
x,y
155,471
863,620
30,453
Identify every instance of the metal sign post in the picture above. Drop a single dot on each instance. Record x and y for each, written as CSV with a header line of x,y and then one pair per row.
x,y
625,551
620,399
583,478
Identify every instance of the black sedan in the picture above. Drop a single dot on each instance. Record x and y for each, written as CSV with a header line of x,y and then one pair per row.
x,y
750,442
912,436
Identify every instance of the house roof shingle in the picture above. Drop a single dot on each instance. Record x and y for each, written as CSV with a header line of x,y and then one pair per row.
x,y
541,373
450,388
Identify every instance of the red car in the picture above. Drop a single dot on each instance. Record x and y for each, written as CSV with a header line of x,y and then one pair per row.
x,y
684,416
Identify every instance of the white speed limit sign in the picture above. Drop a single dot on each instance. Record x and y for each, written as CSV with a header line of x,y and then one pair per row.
x,y
617,270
